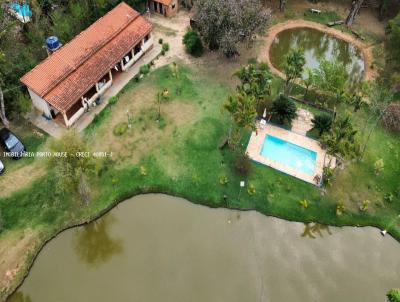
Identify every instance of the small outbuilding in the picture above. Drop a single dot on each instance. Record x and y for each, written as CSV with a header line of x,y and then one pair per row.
x,y
167,8
74,77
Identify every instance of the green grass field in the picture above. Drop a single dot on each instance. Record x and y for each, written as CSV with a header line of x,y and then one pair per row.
x,y
188,163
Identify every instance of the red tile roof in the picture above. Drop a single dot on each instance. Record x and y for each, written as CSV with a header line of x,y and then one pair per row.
x,y
165,2
63,77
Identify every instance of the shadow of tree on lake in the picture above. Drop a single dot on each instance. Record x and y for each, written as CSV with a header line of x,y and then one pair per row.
x,y
19,297
311,230
94,244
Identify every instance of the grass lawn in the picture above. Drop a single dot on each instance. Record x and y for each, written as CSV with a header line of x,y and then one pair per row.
x,y
33,139
180,156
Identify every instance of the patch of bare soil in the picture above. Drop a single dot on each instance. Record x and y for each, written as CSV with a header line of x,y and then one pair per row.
x,y
367,20
15,249
172,30
146,133
14,180
366,49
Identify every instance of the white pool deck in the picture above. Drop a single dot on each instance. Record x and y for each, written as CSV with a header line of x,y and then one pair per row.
x,y
257,140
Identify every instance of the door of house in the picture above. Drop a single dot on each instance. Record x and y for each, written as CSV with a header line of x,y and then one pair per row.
x,y
160,10
155,6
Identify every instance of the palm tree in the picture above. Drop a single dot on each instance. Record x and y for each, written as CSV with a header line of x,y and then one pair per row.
x,y
284,109
241,107
255,80
322,123
342,138
293,68
162,97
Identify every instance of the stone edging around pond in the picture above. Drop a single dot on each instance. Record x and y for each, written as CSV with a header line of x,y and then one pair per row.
x,y
273,31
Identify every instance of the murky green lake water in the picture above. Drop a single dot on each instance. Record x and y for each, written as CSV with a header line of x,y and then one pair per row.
x,y
317,45
157,248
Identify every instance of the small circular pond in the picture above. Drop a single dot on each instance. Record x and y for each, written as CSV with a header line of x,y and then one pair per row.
x,y
157,248
317,45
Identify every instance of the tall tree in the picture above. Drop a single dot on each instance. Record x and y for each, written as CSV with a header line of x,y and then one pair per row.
x,y
255,80
380,97
241,108
282,5
3,117
284,110
354,10
342,139
293,68
225,23
73,166
393,42
331,76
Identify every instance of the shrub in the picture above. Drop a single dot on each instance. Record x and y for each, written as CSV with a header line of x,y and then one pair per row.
x,y
340,209
242,164
113,100
393,295
120,129
284,110
160,41
364,205
163,52
143,171
322,123
144,69
162,123
2,224
193,44
389,197
391,119
304,204
379,166
251,189
165,47
223,180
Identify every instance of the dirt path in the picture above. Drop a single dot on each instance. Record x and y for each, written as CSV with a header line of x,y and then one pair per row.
x,y
366,49
20,178
172,30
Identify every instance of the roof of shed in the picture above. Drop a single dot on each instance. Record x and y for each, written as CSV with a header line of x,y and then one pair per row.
x,y
165,2
67,74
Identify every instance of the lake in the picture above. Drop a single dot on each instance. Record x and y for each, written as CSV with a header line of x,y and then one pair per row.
x,y
157,248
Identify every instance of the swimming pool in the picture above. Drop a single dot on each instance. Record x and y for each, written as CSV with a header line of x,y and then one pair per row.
x,y
289,154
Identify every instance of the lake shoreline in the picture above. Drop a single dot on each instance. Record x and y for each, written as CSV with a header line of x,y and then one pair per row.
x,y
26,268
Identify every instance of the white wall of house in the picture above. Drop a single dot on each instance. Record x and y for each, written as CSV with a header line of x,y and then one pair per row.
x,y
69,122
40,103
144,47
148,44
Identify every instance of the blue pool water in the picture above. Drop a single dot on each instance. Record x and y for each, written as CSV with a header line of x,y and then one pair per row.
x,y
289,154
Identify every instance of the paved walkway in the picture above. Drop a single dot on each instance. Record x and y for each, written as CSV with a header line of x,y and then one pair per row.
x,y
303,122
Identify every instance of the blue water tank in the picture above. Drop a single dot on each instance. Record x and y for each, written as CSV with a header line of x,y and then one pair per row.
x,y
52,43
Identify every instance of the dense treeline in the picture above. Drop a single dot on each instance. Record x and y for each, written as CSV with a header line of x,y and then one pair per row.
x,y
21,45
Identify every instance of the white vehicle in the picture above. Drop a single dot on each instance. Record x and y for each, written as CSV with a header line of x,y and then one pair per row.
x,y
1,167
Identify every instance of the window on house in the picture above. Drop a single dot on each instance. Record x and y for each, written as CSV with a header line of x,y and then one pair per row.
x,y
146,38
173,6
137,49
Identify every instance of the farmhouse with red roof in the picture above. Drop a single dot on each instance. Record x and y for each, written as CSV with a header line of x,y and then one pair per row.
x,y
74,77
